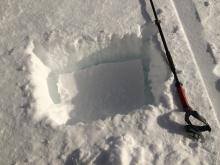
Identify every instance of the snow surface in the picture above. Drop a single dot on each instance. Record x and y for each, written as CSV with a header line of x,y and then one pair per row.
x,y
87,82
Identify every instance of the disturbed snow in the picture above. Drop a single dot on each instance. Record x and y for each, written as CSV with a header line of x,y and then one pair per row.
x,y
86,82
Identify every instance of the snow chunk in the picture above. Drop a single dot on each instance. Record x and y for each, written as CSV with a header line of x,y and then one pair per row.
x,y
44,105
217,70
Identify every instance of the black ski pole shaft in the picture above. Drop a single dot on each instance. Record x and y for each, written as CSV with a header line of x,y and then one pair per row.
x,y
168,55
180,89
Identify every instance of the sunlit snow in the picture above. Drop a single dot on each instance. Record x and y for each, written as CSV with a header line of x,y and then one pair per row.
x,y
87,82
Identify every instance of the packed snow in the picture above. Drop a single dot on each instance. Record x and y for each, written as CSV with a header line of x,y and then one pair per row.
x,y
87,82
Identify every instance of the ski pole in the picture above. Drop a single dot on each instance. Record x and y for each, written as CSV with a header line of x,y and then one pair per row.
x,y
181,92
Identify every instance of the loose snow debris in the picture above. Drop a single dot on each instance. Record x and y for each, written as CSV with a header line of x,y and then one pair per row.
x,y
44,105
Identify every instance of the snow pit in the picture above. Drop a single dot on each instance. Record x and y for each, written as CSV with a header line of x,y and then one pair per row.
x,y
88,79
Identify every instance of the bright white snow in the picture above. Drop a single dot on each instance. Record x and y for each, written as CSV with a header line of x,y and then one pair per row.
x,y
87,82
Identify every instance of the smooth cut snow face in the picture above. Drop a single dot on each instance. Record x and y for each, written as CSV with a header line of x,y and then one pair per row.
x,y
103,90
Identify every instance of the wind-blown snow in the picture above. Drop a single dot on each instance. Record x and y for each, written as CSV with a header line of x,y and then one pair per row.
x,y
87,82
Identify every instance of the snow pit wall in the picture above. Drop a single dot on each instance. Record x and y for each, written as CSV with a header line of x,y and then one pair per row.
x,y
87,79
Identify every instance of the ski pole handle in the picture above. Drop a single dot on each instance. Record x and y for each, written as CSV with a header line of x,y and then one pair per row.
x,y
182,96
190,112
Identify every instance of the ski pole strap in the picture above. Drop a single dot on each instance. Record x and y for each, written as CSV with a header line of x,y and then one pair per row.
x,y
197,116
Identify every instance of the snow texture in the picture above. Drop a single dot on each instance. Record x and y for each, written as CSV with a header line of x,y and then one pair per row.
x,y
87,82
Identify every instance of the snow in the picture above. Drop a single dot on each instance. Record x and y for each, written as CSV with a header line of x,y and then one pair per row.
x,y
44,103
98,84
87,82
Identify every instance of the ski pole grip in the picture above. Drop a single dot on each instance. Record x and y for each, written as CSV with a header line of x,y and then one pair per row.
x,y
182,96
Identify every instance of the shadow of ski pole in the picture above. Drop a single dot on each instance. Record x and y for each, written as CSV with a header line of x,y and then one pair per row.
x,y
144,11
